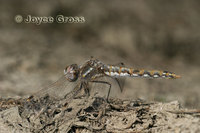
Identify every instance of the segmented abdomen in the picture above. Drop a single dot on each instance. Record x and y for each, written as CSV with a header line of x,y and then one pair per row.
x,y
115,71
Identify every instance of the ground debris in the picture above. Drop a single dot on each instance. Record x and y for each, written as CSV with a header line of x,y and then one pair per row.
x,y
94,114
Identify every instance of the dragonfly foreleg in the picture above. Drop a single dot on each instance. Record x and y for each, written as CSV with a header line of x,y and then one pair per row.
x,y
86,88
104,82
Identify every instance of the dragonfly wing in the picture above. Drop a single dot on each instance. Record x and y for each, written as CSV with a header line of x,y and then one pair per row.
x,y
120,81
58,89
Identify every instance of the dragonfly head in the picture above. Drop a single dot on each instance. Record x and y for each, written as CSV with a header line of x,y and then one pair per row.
x,y
72,72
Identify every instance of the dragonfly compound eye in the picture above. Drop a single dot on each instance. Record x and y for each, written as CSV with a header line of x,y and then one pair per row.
x,y
71,72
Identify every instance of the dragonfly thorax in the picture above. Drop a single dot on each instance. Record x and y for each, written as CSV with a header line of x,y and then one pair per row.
x,y
71,72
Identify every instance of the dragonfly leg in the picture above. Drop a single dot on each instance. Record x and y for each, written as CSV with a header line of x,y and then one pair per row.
x,y
83,85
74,92
104,82
86,89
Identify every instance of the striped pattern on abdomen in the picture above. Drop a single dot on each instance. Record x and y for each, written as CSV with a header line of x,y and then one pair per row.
x,y
115,71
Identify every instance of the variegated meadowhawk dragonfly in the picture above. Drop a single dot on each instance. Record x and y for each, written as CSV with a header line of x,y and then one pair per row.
x,y
78,77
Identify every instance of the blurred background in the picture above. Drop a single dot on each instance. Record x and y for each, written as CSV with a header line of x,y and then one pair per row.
x,y
162,35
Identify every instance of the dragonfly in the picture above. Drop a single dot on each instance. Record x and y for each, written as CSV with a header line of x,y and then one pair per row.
x,y
78,77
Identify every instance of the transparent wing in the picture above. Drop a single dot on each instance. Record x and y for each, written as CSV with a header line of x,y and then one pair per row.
x,y
121,82
102,89
58,89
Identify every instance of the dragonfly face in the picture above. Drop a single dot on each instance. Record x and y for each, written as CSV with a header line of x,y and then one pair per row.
x,y
72,72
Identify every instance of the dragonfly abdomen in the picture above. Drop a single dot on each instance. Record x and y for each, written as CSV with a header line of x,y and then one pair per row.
x,y
115,71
